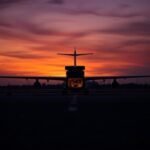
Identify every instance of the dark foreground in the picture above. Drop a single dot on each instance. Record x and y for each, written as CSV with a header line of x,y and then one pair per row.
x,y
49,120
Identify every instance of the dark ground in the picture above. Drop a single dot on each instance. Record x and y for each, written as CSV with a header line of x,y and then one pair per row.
x,y
45,119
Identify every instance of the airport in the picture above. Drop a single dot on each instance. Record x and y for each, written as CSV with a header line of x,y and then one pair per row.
x,y
74,74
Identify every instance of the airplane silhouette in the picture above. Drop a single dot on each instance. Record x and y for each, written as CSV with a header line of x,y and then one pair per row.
x,y
75,78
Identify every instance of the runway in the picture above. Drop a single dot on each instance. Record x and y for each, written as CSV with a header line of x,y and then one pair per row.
x,y
46,119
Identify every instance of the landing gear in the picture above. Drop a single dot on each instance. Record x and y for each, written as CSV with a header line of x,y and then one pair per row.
x,y
115,83
37,84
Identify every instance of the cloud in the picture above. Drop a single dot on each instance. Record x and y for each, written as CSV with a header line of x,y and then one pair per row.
x,y
122,70
21,55
141,28
124,6
58,2
6,3
4,23
3,2
14,35
136,42
29,32
101,14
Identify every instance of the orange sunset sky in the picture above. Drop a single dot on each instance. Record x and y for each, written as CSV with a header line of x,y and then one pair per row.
x,y
32,32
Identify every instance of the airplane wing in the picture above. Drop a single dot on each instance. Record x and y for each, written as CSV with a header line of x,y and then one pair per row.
x,y
35,77
60,78
115,77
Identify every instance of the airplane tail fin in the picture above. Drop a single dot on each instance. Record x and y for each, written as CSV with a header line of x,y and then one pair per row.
x,y
75,54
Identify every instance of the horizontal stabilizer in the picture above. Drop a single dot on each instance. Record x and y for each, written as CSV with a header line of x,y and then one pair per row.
x,y
84,54
66,54
75,54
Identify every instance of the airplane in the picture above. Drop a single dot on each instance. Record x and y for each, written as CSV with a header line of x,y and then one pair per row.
x,y
75,78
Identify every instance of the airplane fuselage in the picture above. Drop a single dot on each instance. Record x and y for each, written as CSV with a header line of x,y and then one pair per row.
x,y
75,77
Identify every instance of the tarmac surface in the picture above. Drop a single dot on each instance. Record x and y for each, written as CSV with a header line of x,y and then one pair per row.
x,y
46,119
